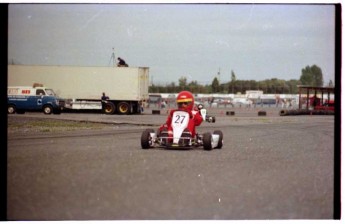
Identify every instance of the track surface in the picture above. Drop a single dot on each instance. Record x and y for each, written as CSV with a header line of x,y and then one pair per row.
x,y
269,168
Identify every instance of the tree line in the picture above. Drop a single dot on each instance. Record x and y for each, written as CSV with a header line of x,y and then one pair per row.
x,y
310,75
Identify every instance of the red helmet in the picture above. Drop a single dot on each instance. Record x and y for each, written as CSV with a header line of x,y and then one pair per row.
x,y
185,100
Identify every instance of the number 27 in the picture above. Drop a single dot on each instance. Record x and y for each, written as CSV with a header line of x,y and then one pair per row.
x,y
179,119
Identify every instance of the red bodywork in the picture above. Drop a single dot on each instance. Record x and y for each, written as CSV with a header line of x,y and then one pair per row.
x,y
326,106
196,120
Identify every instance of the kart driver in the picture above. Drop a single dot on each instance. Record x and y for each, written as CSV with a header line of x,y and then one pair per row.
x,y
185,102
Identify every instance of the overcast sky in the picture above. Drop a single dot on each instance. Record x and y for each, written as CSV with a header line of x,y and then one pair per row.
x,y
192,40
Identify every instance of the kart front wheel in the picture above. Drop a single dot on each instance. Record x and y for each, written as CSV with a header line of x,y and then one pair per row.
x,y
220,140
146,139
207,141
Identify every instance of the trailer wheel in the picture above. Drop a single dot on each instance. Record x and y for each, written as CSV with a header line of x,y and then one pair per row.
x,y
123,108
11,109
109,108
207,141
220,141
47,109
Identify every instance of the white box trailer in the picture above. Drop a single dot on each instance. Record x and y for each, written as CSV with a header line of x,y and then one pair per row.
x,y
82,87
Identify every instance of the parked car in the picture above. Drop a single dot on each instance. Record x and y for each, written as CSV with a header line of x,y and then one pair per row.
x,y
216,101
243,101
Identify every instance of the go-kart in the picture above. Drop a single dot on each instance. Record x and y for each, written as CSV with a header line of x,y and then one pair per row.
x,y
180,136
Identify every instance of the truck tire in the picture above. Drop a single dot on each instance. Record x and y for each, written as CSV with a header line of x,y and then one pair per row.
x,y
109,108
123,108
207,141
11,109
47,109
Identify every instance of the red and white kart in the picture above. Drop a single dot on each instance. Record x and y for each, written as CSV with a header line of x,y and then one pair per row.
x,y
181,137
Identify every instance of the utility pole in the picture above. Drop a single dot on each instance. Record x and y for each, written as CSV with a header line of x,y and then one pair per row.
x,y
112,58
218,75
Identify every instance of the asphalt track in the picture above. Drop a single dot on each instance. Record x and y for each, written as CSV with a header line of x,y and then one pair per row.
x,y
270,167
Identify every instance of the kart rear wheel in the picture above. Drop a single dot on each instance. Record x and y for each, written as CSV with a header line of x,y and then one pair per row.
x,y
146,139
220,141
207,141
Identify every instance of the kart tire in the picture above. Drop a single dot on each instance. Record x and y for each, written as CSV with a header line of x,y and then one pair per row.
x,y
213,119
207,141
220,141
150,130
146,138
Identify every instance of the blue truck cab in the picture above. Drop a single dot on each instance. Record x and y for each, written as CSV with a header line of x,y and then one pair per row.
x,y
27,98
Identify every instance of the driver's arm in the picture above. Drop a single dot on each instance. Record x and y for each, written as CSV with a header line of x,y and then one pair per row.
x,y
197,118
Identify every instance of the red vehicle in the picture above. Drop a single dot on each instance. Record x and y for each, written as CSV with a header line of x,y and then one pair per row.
x,y
319,103
328,105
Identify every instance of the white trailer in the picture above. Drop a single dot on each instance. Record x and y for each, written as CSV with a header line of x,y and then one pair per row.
x,y
82,87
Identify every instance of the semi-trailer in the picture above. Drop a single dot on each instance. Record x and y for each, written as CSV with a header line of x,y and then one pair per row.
x,y
82,87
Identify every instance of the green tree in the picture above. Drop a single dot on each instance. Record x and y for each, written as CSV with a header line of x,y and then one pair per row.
x,y
193,86
215,85
233,80
269,86
171,88
292,85
312,76
182,83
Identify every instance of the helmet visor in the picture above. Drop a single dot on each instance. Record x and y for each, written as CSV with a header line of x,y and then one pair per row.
x,y
183,104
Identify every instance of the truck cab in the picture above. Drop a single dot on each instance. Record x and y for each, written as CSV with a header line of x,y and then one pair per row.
x,y
26,98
